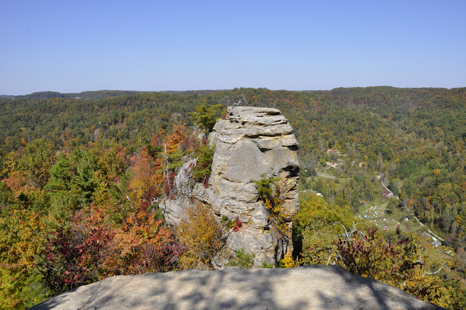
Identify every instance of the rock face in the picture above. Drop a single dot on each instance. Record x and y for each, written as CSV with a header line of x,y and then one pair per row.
x,y
250,143
300,288
175,208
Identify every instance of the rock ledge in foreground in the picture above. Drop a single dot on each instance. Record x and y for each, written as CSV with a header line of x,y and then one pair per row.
x,y
309,287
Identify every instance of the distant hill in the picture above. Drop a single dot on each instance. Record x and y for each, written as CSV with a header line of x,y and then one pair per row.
x,y
192,92
103,94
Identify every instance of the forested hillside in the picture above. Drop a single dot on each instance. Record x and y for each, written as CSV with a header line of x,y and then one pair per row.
x,y
99,94
80,181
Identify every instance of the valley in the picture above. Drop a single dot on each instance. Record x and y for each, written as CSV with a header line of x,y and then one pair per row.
x,y
86,171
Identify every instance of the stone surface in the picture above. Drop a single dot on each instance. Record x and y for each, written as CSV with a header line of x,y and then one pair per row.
x,y
252,142
300,288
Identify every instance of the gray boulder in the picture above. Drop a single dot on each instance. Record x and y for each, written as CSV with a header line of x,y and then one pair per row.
x,y
300,288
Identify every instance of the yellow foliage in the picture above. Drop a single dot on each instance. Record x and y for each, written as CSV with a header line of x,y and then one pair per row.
x,y
20,241
200,234
275,209
410,265
142,176
23,241
287,261
10,163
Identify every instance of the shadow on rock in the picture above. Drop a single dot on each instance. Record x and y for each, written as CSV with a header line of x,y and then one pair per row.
x,y
310,287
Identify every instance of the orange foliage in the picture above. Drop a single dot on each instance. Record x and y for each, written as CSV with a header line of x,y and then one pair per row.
x,y
140,244
19,183
174,140
142,175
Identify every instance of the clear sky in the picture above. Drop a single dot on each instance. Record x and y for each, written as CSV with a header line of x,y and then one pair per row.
x,y
74,46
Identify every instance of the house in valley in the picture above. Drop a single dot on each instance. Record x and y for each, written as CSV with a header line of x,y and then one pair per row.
x,y
387,194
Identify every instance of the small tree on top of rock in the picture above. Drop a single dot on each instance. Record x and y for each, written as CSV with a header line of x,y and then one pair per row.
x,y
205,117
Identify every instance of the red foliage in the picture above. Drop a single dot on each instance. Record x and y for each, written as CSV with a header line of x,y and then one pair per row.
x,y
147,196
369,248
189,143
159,258
238,224
157,139
71,259
205,182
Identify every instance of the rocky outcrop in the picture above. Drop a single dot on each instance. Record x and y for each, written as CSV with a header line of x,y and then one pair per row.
x,y
174,209
300,288
252,143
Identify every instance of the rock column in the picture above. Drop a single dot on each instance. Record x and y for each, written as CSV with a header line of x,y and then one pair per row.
x,y
252,142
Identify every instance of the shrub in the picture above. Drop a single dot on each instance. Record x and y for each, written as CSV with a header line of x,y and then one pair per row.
x,y
201,235
269,193
266,187
407,263
287,261
242,260
70,259
203,169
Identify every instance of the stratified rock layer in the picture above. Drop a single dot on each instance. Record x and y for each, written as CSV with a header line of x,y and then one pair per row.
x,y
251,143
300,288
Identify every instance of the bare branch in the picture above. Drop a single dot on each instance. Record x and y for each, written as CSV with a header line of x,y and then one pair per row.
x,y
329,257
240,100
443,265
132,208
347,235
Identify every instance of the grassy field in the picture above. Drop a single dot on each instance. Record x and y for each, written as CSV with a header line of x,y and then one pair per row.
x,y
374,212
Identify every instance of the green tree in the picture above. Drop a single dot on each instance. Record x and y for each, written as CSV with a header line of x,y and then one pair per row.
x,y
203,168
63,192
86,165
36,161
205,117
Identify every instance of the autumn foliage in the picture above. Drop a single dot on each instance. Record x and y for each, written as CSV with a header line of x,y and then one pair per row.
x,y
201,235
79,216
330,236
96,170
407,263
70,259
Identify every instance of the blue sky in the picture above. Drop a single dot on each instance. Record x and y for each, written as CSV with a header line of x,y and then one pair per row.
x,y
74,46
